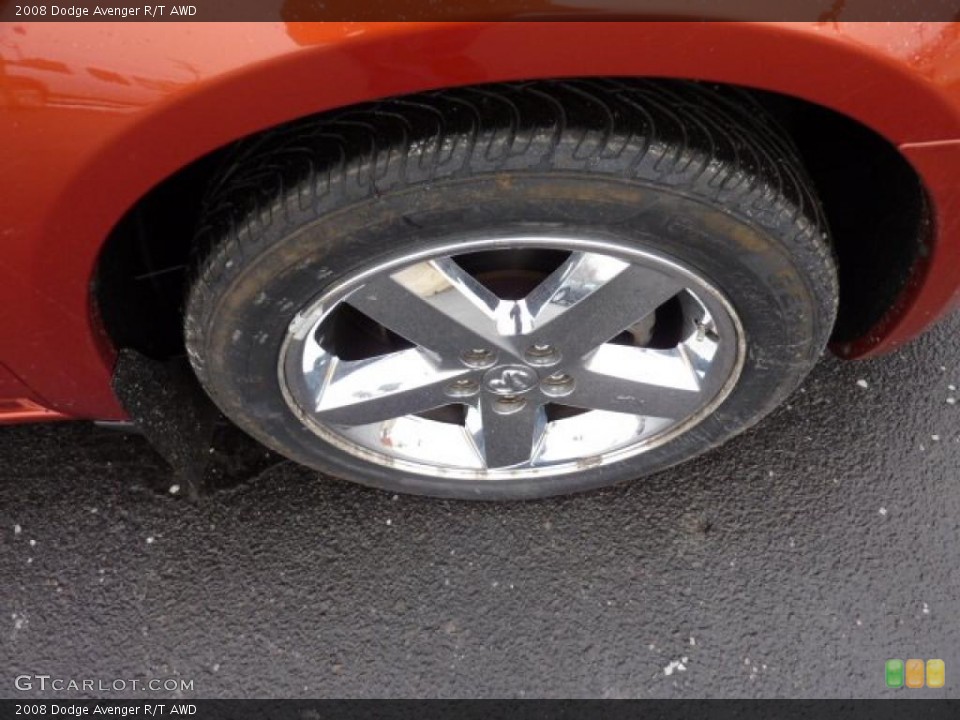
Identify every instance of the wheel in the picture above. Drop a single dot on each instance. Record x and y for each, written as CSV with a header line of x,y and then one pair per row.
x,y
511,291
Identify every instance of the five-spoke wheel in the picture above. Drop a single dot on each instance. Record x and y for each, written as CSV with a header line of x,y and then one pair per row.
x,y
511,291
589,361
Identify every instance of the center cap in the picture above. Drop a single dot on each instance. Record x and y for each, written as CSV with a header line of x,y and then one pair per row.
x,y
510,380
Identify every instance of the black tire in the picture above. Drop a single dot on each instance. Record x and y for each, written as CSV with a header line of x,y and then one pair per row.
x,y
696,172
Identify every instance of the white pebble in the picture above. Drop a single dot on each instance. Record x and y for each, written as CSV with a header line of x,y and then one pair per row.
x,y
33,543
174,489
935,438
863,383
926,609
150,540
677,665
951,401
883,511
17,529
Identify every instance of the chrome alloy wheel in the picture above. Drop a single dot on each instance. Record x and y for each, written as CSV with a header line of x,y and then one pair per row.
x,y
511,357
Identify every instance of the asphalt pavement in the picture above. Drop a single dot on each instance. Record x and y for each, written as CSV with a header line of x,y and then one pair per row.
x,y
793,561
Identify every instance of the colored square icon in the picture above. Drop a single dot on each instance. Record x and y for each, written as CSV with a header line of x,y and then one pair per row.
x,y
894,673
936,673
914,673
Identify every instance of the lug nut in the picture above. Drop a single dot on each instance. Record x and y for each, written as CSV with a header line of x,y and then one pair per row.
x,y
542,355
557,385
479,358
464,387
508,405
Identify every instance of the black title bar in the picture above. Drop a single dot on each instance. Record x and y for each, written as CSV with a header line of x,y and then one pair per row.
x,y
825,11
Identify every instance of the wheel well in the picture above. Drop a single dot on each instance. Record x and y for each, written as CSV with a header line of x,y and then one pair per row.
x,y
874,201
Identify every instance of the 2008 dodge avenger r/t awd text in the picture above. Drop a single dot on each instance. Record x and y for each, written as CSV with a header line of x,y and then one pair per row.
x,y
478,260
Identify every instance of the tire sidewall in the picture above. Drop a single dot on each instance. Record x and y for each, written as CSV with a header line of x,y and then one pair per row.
x,y
773,277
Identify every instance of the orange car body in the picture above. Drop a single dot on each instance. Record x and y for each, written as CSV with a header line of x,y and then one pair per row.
x,y
93,116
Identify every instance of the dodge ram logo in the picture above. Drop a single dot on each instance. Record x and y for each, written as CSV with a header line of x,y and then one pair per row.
x,y
510,380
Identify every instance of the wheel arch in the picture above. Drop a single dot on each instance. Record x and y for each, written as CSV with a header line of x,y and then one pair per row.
x,y
252,97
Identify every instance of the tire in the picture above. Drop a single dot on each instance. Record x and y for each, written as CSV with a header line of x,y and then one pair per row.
x,y
668,180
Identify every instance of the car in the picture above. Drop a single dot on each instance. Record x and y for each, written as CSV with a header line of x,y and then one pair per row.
x,y
489,260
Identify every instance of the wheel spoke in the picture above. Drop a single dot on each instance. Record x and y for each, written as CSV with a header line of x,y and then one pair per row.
x,y
359,392
592,298
641,381
436,305
505,440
